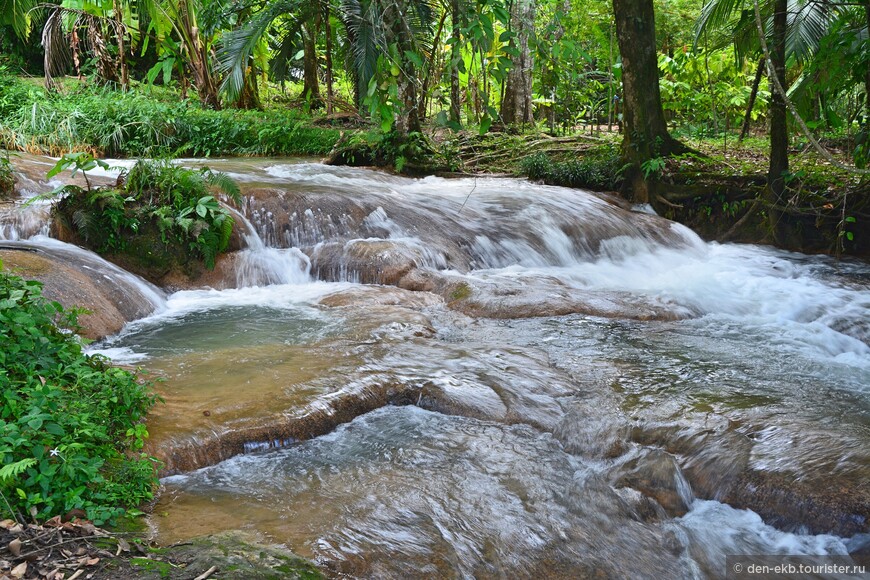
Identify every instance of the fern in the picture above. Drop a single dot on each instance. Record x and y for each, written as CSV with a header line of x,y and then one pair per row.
x,y
8,472
225,183
87,223
226,232
207,243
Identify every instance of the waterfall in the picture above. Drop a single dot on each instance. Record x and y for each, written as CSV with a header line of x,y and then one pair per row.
x,y
262,265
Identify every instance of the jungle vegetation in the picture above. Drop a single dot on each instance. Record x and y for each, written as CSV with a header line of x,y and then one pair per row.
x,y
209,77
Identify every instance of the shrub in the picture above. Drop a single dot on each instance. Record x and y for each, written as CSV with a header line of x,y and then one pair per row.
x,y
537,167
600,170
156,200
13,94
70,425
7,178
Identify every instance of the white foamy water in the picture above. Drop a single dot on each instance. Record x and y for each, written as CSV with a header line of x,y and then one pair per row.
x,y
766,293
713,530
91,261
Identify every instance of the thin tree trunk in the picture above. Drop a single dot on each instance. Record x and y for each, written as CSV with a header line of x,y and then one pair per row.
x,y
431,68
867,71
121,31
747,119
778,128
516,106
455,59
330,92
197,55
407,120
310,83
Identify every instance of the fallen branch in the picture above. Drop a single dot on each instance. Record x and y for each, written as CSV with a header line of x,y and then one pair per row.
x,y
204,575
668,203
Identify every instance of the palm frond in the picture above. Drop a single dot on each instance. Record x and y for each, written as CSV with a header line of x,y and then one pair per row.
x,y
57,57
717,14
238,46
808,22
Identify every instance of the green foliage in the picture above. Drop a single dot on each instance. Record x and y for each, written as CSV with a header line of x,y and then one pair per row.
x,y
70,424
706,91
403,153
601,169
13,94
7,178
175,203
138,124
82,161
654,167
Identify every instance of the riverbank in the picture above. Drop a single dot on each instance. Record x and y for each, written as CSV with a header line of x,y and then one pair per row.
x,y
75,548
718,192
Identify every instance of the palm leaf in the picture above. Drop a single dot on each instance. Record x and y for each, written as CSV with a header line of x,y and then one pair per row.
x,y
238,46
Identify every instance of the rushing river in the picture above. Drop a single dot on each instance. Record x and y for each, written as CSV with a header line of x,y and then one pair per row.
x,y
549,385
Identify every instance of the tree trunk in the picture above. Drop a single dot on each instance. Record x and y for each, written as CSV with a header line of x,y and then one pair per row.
x,y
755,84
455,60
778,128
407,120
121,31
310,83
431,66
516,107
867,72
330,92
645,134
249,97
197,55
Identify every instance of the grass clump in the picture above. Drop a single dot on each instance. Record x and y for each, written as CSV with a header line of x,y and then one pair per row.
x,y
598,169
71,426
159,214
14,95
138,124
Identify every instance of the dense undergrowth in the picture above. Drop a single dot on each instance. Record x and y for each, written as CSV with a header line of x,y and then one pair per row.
x,y
600,169
7,178
70,424
159,214
136,124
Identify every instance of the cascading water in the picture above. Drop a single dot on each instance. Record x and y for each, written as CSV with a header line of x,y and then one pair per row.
x,y
261,265
725,379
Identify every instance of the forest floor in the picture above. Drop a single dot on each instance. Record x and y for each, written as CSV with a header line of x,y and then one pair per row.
x,y
76,549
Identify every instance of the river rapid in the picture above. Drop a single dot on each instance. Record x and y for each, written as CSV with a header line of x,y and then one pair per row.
x,y
490,378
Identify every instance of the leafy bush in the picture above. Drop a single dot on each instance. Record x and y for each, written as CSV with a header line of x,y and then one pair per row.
x,y
411,153
7,178
156,199
13,94
537,167
70,425
600,170
138,124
